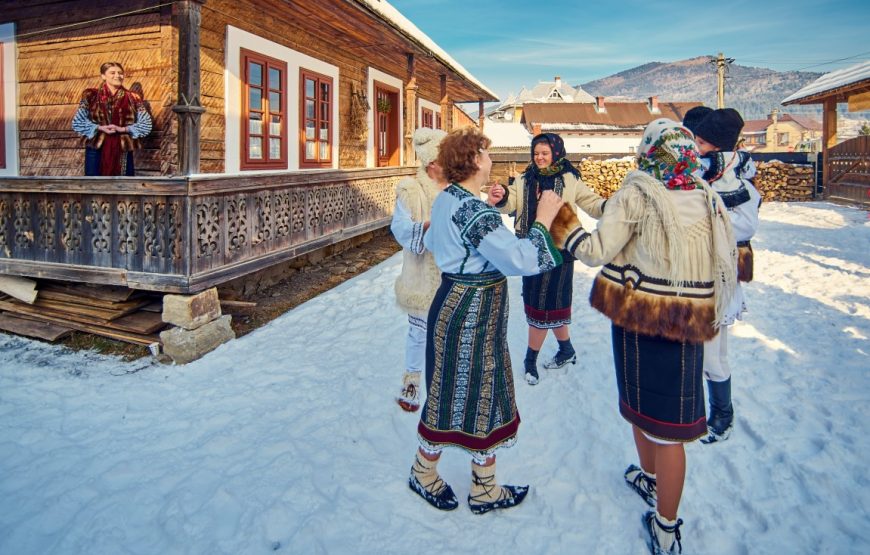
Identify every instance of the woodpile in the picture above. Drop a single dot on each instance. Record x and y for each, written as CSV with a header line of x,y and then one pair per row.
x,y
59,308
605,176
776,180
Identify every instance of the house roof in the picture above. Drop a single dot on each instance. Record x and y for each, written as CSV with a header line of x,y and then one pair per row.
x,y
616,115
395,19
852,77
760,125
509,134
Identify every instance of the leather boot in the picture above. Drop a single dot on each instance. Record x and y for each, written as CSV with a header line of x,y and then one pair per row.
x,y
721,419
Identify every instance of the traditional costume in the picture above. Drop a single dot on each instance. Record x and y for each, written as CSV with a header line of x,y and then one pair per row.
x,y
111,154
471,402
729,173
669,273
420,277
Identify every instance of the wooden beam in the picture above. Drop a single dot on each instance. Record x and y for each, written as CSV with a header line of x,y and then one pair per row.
x,y
480,114
410,110
829,139
187,104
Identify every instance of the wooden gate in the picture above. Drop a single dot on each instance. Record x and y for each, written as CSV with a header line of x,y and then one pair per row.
x,y
849,171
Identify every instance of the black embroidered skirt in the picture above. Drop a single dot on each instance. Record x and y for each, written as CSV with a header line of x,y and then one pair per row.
x,y
661,385
547,297
470,399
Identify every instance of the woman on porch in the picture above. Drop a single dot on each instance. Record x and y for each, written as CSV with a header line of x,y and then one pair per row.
x,y
112,120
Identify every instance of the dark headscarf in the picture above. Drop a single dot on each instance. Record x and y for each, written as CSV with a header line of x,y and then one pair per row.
x,y
538,180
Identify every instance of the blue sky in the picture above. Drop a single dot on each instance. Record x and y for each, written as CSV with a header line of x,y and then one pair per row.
x,y
509,43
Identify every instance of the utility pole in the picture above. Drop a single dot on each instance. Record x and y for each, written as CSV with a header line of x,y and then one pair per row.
x,y
722,64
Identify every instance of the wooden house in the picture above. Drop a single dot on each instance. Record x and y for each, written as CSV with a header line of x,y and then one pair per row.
x,y
280,127
846,171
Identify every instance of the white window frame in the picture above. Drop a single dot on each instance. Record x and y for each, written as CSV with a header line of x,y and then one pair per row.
x,y
377,75
238,39
9,82
423,103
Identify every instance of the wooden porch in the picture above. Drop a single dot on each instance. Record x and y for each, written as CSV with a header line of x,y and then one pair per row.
x,y
185,234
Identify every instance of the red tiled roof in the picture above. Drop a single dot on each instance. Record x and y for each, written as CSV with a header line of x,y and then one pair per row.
x,y
619,114
755,125
760,125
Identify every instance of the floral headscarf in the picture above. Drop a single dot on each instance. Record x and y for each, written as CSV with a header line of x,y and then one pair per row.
x,y
668,152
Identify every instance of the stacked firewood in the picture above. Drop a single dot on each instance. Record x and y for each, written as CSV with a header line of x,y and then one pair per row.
x,y
605,176
776,180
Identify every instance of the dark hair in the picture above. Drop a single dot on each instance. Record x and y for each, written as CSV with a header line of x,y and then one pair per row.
x,y
458,151
105,67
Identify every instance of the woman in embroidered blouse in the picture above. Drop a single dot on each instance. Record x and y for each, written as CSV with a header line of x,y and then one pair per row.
x,y
470,399
112,120
547,297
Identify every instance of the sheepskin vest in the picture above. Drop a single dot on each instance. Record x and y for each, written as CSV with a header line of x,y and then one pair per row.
x,y
669,260
420,277
573,191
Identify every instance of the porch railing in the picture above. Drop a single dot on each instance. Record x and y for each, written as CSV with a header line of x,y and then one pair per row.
x,y
183,234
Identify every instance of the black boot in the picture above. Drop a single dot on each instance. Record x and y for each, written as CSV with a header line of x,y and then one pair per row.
x,y
531,366
564,356
721,419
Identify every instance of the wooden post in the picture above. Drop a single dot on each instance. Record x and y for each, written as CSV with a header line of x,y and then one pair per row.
x,y
446,119
829,139
410,111
720,76
480,114
188,107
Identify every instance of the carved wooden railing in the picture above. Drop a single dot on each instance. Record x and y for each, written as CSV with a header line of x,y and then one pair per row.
x,y
183,234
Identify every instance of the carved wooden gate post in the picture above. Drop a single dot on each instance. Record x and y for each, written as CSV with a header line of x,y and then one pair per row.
x,y
188,107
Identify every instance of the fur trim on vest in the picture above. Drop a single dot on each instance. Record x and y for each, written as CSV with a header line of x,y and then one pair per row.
x,y
420,277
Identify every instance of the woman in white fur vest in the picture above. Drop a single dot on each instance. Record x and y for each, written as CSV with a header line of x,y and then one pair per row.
x,y
669,272
420,277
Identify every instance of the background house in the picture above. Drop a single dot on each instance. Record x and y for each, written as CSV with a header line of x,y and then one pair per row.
x,y
782,133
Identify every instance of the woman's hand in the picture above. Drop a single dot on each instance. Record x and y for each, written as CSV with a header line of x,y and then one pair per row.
x,y
495,194
107,129
548,207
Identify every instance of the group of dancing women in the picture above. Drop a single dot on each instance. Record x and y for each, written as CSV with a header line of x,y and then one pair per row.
x,y
668,279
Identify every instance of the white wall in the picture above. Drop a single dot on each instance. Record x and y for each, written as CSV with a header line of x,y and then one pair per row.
x,y
238,39
9,81
596,144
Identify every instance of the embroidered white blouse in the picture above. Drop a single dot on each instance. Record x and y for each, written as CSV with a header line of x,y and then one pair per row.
x,y
467,236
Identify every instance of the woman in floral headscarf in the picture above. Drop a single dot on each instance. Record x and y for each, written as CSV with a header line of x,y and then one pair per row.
x,y
112,120
547,297
669,272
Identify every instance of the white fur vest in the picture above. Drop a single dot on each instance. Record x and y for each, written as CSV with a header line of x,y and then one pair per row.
x,y
420,277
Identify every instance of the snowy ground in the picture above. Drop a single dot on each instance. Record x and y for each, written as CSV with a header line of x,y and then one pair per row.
x,y
288,439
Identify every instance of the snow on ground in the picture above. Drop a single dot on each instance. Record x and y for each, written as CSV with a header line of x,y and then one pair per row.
x,y
288,440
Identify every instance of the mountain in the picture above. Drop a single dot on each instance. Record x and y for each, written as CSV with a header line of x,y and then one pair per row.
x,y
753,91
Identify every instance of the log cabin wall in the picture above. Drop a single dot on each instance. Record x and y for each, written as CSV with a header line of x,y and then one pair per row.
x,y
57,61
334,32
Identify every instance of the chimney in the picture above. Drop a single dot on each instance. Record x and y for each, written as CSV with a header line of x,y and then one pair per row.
x,y
599,104
536,129
654,105
774,116
558,81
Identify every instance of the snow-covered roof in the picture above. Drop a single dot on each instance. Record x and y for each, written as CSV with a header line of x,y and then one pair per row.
x,y
507,134
392,16
834,80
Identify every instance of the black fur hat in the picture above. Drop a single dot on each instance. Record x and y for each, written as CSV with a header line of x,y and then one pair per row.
x,y
694,116
721,128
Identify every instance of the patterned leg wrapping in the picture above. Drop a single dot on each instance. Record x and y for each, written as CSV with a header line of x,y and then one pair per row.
x,y
486,496
425,482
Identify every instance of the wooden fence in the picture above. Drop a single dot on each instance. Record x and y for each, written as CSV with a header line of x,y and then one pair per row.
x,y
849,171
